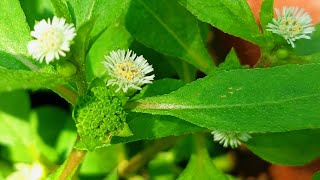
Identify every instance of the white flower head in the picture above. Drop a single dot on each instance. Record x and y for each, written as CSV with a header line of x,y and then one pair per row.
x,y
294,23
52,39
230,139
127,70
24,171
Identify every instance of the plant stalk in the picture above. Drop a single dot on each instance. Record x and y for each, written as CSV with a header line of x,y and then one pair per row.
x,y
128,168
72,163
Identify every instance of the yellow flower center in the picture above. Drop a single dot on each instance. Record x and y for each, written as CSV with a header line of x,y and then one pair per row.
x,y
290,27
51,40
127,70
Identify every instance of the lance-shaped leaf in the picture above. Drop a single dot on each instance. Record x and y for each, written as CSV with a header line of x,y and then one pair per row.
x,y
251,100
200,165
232,17
146,126
14,36
20,79
170,29
287,148
266,13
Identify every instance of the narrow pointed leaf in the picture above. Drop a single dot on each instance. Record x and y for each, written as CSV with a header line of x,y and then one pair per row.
x,y
170,29
14,36
266,13
287,148
200,166
147,127
232,17
275,99
21,79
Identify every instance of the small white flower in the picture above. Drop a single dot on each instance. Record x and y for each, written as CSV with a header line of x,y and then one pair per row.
x,y
293,24
230,139
52,39
24,171
127,70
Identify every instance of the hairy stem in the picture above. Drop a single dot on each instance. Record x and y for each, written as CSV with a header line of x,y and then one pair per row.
x,y
127,168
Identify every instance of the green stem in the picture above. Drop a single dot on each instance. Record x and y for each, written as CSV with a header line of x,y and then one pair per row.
x,y
72,163
199,144
81,85
69,94
187,76
127,168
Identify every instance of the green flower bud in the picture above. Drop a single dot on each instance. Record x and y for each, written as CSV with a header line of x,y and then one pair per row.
x,y
282,53
99,115
66,69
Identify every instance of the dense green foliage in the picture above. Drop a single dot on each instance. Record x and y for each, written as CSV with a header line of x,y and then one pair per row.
x,y
115,134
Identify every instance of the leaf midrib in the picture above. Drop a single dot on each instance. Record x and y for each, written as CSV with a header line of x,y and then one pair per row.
x,y
171,32
160,106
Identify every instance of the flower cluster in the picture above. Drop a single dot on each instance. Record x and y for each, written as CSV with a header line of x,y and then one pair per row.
x,y
127,70
98,115
229,138
52,39
294,23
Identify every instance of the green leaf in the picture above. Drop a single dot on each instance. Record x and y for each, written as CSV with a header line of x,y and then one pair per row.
x,y
113,175
15,103
146,126
50,121
61,9
200,166
185,71
107,12
168,28
80,11
14,36
287,148
114,38
66,138
102,160
35,10
232,17
245,100
14,113
160,63
266,13
163,166
15,129
21,79
104,11
316,176
231,62
306,47
159,87
81,45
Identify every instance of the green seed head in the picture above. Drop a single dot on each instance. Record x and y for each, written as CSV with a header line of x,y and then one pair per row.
x,y
98,115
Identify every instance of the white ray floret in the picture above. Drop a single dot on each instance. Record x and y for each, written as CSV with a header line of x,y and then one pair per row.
x,y
52,39
229,138
294,23
127,70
